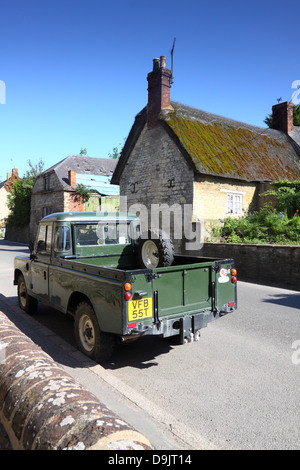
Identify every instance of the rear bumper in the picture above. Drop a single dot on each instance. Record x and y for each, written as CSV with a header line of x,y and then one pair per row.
x,y
187,327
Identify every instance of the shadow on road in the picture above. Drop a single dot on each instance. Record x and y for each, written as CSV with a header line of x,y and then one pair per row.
x,y
286,300
140,353
12,246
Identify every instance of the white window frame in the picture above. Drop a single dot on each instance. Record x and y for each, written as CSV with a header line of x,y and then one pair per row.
x,y
234,202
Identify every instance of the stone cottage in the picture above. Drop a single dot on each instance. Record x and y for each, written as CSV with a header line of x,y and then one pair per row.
x,y
218,167
5,189
56,189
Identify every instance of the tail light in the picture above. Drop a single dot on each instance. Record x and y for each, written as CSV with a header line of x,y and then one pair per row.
x,y
127,288
233,274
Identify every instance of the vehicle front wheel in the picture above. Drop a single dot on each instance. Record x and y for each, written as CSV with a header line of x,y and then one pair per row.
x,y
93,342
26,302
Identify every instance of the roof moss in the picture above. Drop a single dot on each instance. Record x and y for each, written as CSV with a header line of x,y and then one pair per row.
x,y
233,150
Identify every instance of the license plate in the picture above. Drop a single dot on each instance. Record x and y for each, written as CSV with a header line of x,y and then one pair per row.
x,y
138,309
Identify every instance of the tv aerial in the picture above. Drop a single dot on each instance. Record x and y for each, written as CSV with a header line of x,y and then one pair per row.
x,y
172,52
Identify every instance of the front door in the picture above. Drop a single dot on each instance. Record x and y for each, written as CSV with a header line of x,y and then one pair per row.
x,y
40,264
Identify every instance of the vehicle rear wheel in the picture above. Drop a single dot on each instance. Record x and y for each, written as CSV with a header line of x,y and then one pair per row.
x,y
154,251
93,342
26,302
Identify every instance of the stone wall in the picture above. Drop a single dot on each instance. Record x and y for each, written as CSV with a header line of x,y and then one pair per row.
x,y
44,203
17,234
156,174
44,408
274,265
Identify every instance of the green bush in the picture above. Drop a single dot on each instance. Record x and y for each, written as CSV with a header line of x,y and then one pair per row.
x,y
265,226
287,195
276,226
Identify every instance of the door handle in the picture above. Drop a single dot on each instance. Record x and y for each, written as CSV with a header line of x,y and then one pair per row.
x,y
45,275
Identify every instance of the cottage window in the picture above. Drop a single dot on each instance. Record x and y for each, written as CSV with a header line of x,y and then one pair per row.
x,y
47,211
46,183
234,203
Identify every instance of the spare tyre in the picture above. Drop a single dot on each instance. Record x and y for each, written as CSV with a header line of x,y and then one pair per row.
x,y
154,250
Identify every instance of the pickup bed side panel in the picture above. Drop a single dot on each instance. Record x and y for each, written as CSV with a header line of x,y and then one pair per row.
x,y
104,294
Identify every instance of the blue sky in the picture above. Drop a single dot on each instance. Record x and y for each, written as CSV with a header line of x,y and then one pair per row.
x,y
75,71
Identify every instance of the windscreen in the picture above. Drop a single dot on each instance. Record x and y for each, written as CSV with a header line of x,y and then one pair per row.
x,y
102,234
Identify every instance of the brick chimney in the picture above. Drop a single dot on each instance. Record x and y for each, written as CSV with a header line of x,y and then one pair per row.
x,y
72,178
159,84
13,173
283,117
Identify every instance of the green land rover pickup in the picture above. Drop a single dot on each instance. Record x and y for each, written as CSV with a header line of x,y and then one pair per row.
x,y
118,285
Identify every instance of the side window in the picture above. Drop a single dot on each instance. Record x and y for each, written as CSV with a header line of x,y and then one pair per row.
x,y
48,238
43,243
41,239
62,239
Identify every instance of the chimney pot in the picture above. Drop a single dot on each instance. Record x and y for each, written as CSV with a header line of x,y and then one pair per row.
x,y
155,64
163,61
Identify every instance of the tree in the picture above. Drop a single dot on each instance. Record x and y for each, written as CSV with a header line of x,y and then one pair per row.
x,y
116,153
287,194
83,151
296,117
19,200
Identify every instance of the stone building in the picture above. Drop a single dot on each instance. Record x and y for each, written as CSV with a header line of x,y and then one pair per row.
x,y
5,189
56,189
218,167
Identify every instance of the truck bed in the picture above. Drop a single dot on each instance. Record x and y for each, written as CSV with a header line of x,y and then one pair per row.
x,y
129,263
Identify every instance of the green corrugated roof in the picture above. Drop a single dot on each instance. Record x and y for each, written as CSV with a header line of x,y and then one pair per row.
x,y
99,183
